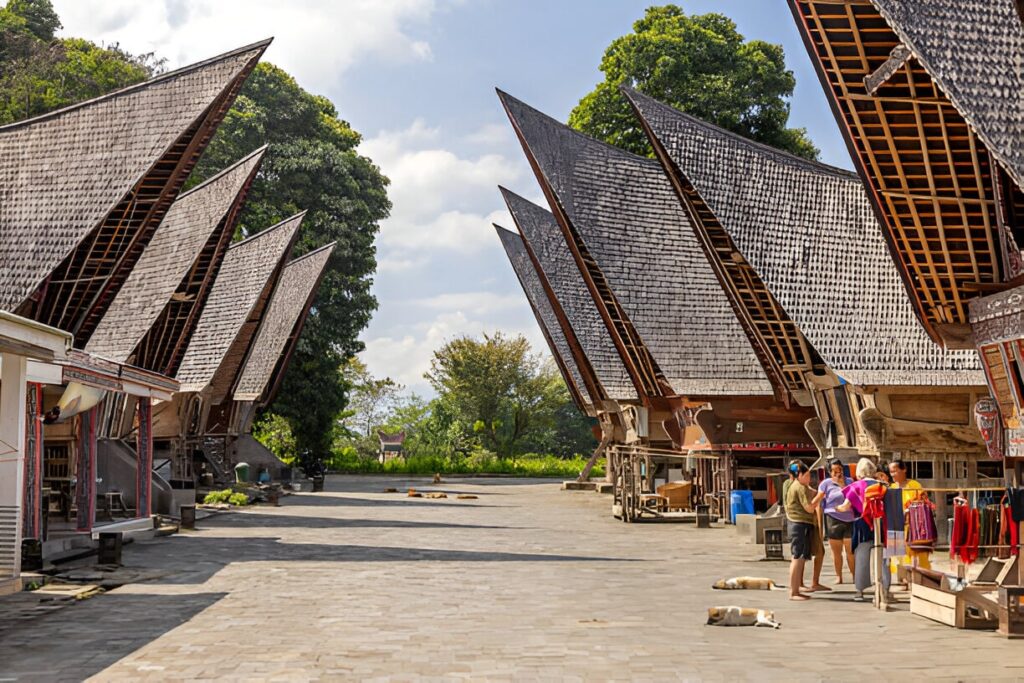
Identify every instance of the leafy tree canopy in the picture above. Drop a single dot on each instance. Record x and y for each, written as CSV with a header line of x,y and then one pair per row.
x,y
39,73
502,392
311,165
702,65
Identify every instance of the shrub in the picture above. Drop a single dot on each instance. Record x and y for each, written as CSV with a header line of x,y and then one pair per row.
x,y
226,496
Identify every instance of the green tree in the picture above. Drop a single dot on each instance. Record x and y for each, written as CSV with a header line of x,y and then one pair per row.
x,y
498,388
702,65
312,165
39,73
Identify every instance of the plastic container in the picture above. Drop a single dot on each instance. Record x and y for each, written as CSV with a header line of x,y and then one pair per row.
x,y
242,472
740,503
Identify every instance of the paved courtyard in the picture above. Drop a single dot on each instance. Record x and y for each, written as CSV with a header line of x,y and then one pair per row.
x,y
524,582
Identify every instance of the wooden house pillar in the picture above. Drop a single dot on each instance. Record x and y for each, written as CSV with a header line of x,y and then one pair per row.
x,y
32,526
85,471
144,448
12,443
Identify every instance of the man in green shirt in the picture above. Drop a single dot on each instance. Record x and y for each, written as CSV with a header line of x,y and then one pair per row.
x,y
801,505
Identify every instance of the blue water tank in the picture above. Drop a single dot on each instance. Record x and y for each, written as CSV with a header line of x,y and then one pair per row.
x,y
740,503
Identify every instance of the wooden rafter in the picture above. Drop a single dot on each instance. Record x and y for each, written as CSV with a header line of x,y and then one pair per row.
x,y
927,172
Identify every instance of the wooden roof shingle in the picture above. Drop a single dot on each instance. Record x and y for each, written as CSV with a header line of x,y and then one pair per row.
x,y
195,217
62,174
543,236
529,280
283,320
627,214
247,276
809,231
974,49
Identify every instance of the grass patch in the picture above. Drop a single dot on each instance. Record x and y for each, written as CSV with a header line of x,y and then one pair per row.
x,y
528,465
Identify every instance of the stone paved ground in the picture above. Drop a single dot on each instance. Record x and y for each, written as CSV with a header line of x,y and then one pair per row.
x,y
526,582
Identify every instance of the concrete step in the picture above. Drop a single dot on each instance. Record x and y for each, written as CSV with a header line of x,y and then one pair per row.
x,y
579,485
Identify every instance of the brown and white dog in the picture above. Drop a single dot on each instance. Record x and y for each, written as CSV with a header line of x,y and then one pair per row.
x,y
741,616
746,583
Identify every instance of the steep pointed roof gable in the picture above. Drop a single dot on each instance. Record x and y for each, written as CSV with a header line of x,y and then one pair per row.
x,y
543,312
809,231
189,224
64,173
249,269
288,308
626,212
541,232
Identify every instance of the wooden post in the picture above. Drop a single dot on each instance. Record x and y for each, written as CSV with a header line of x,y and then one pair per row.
x,y
144,448
85,472
881,599
33,520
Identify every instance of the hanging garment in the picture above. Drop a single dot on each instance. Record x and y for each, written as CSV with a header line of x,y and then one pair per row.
x,y
895,543
920,530
1016,497
1009,534
966,534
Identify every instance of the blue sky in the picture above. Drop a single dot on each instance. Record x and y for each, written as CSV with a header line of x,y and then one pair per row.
x,y
417,79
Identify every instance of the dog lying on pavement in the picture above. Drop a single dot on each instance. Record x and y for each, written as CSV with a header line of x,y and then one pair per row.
x,y
746,583
741,616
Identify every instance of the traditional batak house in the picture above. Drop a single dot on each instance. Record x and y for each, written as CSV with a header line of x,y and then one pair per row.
x,y
269,354
604,384
810,272
84,190
687,355
930,99
200,419
153,316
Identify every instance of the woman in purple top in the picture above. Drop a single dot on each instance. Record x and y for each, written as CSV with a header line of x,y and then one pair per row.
x,y
838,523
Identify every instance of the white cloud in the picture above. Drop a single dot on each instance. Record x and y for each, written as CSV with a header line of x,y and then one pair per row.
x,y
407,357
317,40
440,199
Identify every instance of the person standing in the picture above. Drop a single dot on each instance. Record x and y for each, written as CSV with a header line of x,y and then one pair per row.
x,y
801,512
838,524
911,490
858,496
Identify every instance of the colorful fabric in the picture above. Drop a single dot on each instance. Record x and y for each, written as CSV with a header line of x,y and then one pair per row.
x,y
895,535
855,494
1009,533
963,543
1016,498
921,531
833,498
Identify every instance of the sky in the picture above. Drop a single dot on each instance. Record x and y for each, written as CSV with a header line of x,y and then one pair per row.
x,y
416,78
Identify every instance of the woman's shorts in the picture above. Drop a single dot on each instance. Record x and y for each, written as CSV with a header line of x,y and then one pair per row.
x,y
801,538
838,530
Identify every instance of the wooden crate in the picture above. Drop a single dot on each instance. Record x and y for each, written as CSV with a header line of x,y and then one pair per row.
x,y
952,608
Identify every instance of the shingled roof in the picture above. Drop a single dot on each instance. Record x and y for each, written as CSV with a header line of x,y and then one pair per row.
x,y
627,214
974,49
196,217
282,322
557,266
233,311
545,314
73,178
809,231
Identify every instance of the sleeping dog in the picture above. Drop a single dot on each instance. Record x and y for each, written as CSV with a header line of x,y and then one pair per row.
x,y
746,583
741,616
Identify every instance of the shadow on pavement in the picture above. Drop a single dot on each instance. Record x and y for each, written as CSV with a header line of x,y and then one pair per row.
x,y
196,559
256,520
400,500
83,639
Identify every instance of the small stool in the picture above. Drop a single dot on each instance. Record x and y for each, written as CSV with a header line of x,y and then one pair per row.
x,y
654,500
112,501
